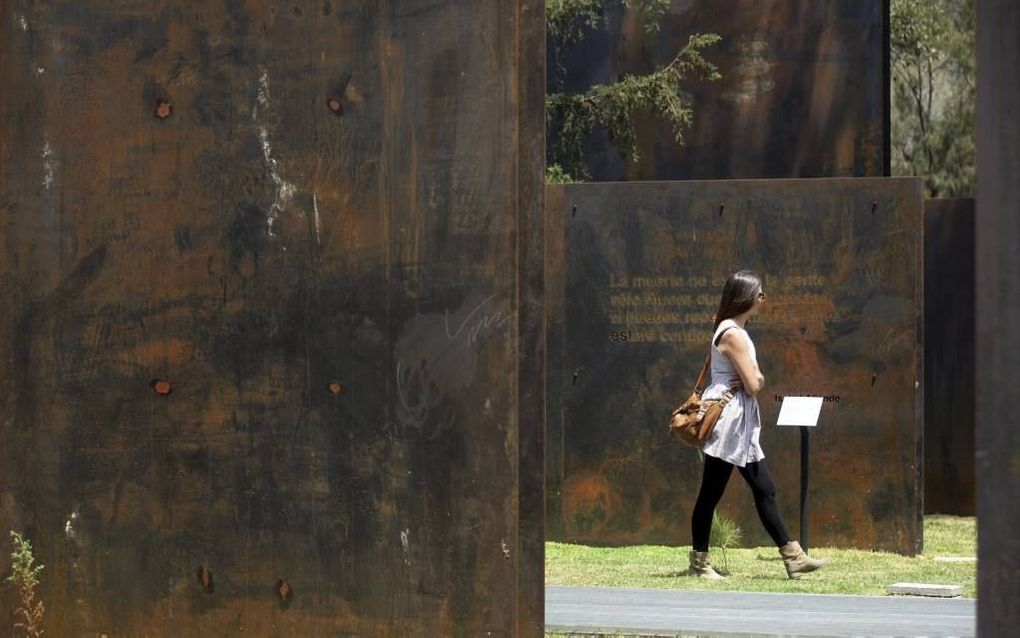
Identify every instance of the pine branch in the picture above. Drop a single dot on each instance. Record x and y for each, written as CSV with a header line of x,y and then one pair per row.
x,y
573,116
568,20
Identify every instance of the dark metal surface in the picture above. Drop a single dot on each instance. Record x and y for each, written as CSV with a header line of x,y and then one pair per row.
x,y
842,262
271,303
949,356
997,342
804,89
531,320
805,487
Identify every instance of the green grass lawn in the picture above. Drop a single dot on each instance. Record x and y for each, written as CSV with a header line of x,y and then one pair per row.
x,y
759,569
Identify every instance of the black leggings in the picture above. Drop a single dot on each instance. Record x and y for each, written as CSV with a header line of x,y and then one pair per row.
x,y
713,484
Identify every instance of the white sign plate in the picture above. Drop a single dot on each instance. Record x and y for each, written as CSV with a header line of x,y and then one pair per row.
x,y
802,411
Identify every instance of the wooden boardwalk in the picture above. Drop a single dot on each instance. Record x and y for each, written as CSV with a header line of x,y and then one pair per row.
x,y
652,612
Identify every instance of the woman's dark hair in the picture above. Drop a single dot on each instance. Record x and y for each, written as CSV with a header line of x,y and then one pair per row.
x,y
738,295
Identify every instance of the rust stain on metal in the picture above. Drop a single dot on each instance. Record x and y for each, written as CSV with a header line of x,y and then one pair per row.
x,y
205,579
631,302
335,388
803,101
162,387
284,592
163,109
238,254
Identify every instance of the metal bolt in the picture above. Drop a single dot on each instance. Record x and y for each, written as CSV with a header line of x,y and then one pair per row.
x,y
162,387
285,593
205,579
334,387
163,109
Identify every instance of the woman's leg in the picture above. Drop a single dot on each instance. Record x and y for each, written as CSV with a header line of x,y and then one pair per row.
x,y
714,477
764,489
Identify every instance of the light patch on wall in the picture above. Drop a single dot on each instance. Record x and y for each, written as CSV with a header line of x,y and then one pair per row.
x,y
48,173
318,226
405,545
284,189
752,74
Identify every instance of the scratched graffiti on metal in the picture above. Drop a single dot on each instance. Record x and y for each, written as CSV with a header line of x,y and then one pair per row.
x,y
262,314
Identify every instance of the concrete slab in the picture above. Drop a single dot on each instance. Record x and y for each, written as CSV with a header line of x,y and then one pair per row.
x,y
595,611
926,589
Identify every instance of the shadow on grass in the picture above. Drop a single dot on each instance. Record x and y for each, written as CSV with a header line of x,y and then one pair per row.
x,y
768,577
683,575
679,574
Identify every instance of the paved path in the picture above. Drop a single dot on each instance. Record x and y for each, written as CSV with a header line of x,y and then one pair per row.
x,y
656,612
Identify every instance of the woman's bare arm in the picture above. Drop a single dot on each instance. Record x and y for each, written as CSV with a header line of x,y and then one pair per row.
x,y
733,345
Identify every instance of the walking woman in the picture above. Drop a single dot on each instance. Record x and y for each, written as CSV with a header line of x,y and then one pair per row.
x,y
734,442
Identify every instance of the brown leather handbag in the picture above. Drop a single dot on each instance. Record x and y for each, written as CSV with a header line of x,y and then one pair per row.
x,y
695,419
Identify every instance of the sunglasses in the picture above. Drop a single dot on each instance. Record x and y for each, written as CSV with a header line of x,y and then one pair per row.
x,y
761,296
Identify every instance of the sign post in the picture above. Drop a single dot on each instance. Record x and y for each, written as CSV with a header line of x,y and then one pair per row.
x,y
802,412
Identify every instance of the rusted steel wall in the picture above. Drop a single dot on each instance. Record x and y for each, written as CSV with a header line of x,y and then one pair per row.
x,y
271,304
804,89
636,271
949,356
997,297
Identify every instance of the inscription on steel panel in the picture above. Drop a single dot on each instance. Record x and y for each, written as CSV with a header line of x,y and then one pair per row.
x,y
633,294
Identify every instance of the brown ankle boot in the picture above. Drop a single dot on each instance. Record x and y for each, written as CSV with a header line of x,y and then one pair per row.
x,y
700,566
797,562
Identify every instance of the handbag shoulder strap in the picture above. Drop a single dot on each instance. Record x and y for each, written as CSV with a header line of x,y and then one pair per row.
x,y
699,385
719,336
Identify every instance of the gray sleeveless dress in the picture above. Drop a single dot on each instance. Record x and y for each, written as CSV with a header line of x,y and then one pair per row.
x,y
735,438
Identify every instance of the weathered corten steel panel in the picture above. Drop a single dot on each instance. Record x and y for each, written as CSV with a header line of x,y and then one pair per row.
x,y
949,356
272,278
803,90
636,272
997,297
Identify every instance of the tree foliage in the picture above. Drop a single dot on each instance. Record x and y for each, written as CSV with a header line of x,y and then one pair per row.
x,y
572,117
568,20
29,611
934,93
